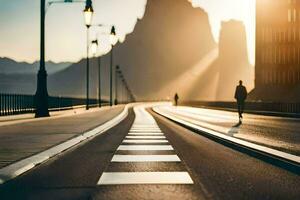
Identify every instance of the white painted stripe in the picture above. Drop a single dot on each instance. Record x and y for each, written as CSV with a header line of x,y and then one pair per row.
x,y
117,178
144,126
132,128
141,131
145,147
144,141
145,130
145,137
145,158
145,133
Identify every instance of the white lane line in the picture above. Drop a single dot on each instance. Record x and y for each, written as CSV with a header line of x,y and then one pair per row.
x,y
142,131
145,147
134,126
145,129
144,141
145,137
117,178
144,125
145,133
145,158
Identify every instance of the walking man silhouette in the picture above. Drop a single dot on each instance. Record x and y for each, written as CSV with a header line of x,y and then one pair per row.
x,y
176,97
240,96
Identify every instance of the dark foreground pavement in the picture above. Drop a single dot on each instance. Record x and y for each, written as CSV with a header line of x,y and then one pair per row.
x,y
218,172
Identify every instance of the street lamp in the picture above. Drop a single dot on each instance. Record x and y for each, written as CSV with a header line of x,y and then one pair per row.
x,y
94,48
117,72
88,15
113,40
41,95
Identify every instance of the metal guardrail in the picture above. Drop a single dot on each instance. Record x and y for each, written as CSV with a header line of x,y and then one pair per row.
x,y
254,106
12,104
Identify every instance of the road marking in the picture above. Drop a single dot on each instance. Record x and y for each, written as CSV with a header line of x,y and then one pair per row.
x,y
145,158
145,147
145,133
145,126
141,131
145,137
142,134
117,178
144,141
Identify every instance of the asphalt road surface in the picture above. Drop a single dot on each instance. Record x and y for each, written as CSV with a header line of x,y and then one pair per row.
x,y
143,158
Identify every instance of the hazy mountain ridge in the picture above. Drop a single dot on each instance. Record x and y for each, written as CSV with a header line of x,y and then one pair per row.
x,y
10,66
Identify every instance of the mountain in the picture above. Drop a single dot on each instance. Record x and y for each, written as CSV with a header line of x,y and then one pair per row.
x,y
9,66
72,80
171,38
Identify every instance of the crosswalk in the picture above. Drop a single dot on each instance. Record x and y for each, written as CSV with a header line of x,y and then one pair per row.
x,y
143,154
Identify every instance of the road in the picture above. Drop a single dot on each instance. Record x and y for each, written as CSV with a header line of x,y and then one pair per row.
x,y
143,158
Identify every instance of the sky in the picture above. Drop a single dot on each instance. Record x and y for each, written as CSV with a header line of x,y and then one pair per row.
x,y
66,33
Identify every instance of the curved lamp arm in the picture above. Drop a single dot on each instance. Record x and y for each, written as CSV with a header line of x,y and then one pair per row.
x,y
49,3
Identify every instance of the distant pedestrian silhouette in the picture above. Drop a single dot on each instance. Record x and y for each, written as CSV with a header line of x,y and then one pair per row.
x,y
176,97
240,96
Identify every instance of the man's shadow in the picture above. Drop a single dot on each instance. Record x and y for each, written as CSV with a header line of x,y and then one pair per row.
x,y
234,129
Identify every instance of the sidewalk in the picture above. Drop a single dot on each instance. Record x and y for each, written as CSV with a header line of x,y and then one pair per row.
x,y
279,133
20,118
24,136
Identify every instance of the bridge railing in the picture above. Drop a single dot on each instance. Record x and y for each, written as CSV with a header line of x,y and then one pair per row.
x,y
12,104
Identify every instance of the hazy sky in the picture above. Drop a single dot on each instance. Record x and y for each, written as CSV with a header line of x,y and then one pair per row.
x,y
66,33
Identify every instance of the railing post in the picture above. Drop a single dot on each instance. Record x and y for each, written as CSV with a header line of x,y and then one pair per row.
x,y
4,104
1,104
9,103
14,103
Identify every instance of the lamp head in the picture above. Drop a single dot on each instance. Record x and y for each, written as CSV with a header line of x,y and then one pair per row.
x,y
113,38
94,47
88,13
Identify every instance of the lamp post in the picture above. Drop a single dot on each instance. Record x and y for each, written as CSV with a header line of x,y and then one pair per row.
x,y
41,95
94,48
122,82
113,41
88,15
116,84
